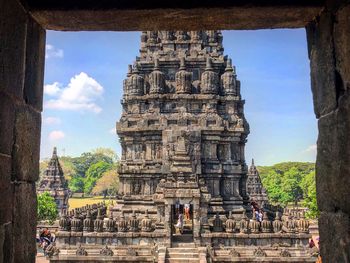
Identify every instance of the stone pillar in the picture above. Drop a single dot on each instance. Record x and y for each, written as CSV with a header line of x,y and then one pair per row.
x,y
21,93
329,53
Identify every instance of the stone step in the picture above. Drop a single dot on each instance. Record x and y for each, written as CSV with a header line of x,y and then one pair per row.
x,y
183,245
182,260
183,255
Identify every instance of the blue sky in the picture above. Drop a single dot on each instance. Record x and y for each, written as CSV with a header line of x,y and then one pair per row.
x,y
84,72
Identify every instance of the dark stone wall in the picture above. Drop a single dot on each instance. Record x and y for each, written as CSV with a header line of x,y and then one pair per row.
x,y
22,51
22,48
126,15
329,52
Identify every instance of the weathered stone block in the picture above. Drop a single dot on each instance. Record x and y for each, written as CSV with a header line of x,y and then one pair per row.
x,y
26,150
6,190
7,122
2,241
321,54
333,159
7,246
24,223
35,63
342,44
335,236
12,47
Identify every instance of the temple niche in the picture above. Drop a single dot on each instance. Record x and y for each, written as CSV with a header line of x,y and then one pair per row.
x,y
54,183
183,174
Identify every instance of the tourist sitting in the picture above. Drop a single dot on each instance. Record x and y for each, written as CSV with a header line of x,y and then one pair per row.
x,y
45,239
260,216
256,214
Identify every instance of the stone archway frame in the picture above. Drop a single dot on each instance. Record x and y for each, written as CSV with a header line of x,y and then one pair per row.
x,y
22,31
194,200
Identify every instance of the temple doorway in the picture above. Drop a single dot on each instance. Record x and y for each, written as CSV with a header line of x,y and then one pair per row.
x,y
182,222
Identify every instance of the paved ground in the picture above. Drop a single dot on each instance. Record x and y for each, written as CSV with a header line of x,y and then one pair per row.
x,y
40,258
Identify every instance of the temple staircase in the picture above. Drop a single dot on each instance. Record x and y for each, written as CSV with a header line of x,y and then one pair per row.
x,y
182,253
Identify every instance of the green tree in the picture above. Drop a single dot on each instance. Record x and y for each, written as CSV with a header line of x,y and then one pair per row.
x,y
308,185
83,163
67,167
283,181
47,208
106,152
108,183
76,184
290,186
95,172
77,168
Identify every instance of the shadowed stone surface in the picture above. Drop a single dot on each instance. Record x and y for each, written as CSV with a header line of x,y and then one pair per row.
x,y
172,15
34,72
6,189
12,48
342,44
26,148
330,74
335,239
24,223
7,122
321,54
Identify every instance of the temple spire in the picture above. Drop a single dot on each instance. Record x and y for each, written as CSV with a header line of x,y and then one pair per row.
x,y
54,153
182,63
156,64
229,65
54,182
208,64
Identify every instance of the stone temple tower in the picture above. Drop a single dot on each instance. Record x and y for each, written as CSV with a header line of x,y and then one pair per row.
x,y
255,189
182,111
183,174
55,183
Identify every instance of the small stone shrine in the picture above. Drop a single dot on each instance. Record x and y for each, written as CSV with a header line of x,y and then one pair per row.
x,y
255,188
54,182
183,174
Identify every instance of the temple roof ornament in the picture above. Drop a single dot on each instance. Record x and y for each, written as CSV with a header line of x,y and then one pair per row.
x,y
156,79
209,79
135,83
228,79
183,78
171,44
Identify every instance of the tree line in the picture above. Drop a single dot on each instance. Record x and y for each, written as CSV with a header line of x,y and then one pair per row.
x,y
291,183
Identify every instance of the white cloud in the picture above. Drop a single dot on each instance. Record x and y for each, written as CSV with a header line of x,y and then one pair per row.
x,y
311,149
52,121
52,89
53,52
112,131
79,95
56,135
